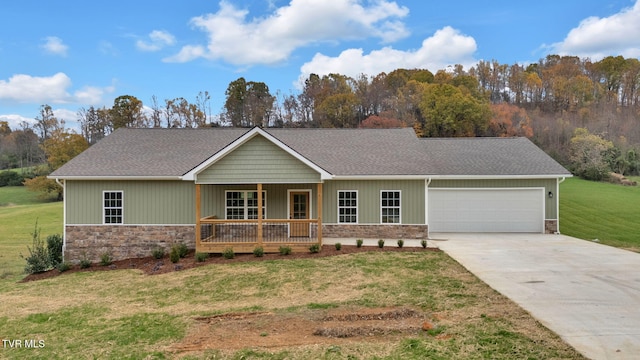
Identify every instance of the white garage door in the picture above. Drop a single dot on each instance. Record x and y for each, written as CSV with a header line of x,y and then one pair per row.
x,y
486,210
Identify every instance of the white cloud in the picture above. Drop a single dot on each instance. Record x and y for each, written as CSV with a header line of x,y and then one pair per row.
x,y
158,40
107,48
54,45
92,95
187,53
24,88
272,39
69,117
596,38
446,47
15,120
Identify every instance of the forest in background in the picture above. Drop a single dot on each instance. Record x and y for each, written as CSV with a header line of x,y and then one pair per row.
x,y
584,114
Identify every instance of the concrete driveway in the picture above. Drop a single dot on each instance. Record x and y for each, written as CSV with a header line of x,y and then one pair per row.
x,y
587,293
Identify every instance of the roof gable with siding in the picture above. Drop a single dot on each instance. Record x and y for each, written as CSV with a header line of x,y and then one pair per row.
x,y
257,160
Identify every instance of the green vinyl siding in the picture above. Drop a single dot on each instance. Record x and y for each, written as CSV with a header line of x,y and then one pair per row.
x,y
412,199
258,161
548,184
144,202
213,198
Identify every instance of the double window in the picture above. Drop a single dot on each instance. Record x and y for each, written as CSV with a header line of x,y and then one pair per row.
x,y
243,205
112,207
347,207
390,207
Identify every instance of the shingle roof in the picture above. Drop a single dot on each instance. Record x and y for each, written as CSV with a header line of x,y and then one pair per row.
x,y
489,156
341,152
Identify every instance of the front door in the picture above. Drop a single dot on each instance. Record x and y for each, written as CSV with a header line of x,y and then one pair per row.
x,y
299,209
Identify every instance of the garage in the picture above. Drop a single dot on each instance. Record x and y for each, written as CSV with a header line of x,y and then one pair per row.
x,y
486,210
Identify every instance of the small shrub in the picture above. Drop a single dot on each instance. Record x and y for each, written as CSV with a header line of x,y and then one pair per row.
x,y
157,252
424,244
84,261
38,260
54,248
285,250
400,243
183,250
338,246
106,259
380,243
258,251
314,248
228,253
63,266
11,178
359,243
174,255
201,257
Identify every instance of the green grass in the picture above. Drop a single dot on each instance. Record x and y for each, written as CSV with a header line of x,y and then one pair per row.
x,y
19,210
595,210
124,314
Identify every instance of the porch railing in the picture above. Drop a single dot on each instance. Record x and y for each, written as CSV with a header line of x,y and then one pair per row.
x,y
214,232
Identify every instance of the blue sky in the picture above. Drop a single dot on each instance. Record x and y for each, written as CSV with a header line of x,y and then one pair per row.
x,y
86,53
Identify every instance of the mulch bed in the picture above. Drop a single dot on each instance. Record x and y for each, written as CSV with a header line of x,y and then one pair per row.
x,y
151,266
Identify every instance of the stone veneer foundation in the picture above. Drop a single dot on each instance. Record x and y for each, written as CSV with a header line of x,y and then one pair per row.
x,y
550,226
375,231
133,241
123,241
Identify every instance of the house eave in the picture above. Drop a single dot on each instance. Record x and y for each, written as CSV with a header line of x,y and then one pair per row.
x,y
380,177
445,177
496,177
102,177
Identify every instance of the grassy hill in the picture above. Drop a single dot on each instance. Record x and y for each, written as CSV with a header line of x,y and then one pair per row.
x,y
607,212
19,211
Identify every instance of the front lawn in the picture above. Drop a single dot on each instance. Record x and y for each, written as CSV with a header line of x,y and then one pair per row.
x,y
277,309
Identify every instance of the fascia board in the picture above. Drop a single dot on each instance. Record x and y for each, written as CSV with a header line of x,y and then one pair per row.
x,y
94,178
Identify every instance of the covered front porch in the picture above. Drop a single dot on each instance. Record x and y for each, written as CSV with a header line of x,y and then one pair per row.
x,y
228,217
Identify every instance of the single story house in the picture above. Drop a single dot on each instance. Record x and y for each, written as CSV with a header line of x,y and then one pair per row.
x,y
219,188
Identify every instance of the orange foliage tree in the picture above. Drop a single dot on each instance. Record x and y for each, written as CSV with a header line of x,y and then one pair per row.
x,y
380,122
509,120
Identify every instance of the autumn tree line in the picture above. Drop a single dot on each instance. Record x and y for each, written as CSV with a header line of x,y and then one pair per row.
x,y
585,114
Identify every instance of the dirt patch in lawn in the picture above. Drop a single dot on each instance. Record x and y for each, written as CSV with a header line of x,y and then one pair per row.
x,y
233,331
151,266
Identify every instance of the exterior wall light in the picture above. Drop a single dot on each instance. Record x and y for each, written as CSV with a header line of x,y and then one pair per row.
x,y
550,195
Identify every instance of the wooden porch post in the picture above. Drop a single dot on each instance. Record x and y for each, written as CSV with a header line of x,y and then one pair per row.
x,y
319,209
259,215
198,216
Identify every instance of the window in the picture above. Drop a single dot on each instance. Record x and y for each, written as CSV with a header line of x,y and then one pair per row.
x,y
347,206
390,207
112,207
243,205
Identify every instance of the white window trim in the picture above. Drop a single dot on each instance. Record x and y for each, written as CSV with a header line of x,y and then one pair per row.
x,y
264,198
399,207
357,207
104,208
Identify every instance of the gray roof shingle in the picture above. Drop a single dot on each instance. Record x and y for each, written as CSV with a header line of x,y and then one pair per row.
x,y
341,152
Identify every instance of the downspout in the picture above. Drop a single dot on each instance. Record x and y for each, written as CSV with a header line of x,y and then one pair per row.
x,y
558,182
64,215
427,182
